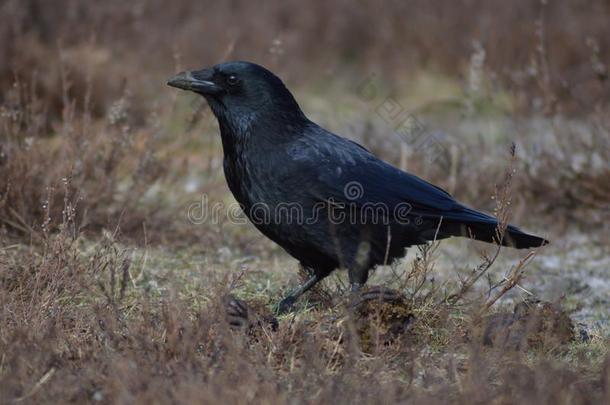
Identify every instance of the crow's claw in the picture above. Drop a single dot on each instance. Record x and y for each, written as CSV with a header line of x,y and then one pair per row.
x,y
237,312
378,293
286,305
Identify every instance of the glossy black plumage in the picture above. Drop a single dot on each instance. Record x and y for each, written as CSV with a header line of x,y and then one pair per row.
x,y
275,156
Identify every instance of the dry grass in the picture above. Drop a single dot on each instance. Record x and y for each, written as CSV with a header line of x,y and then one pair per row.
x,y
78,326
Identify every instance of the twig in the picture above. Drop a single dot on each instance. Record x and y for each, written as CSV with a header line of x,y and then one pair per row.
x,y
502,211
46,377
512,280
387,247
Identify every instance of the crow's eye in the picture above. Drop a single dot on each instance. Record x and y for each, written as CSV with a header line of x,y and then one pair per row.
x,y
232,80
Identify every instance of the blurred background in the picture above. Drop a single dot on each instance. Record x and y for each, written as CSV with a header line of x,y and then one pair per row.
x,y
550,55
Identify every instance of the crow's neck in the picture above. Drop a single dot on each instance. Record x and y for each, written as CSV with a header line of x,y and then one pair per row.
x,y
245,132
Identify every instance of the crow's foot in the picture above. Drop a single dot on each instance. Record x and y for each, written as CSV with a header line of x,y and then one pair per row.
x,y
374,294
240,316
286,305
236,312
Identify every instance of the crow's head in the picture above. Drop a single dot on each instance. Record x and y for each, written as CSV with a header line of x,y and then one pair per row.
x,y
236,90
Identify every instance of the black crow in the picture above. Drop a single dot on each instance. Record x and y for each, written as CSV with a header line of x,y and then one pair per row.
x,y
326,200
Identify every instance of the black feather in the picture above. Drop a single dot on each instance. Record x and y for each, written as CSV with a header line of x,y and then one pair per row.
x,y
274,156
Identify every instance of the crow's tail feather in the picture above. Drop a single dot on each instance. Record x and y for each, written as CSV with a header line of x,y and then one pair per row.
x,y
512,237
477,225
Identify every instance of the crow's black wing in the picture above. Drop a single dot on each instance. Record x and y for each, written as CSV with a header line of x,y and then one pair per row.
x,y
336,168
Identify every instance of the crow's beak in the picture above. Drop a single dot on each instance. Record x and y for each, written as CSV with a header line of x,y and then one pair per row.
x,y
195,81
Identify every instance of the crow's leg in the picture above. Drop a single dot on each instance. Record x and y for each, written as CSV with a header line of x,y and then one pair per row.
x,y
357,277
287,303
